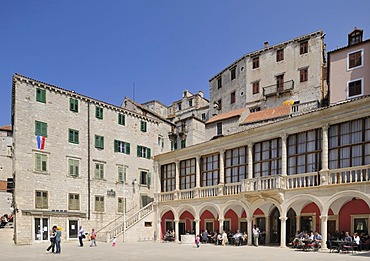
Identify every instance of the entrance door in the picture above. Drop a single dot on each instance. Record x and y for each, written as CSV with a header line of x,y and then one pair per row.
x,y
275,226
243,226
209,226
181,229
41,226
332,225
306,223
73,229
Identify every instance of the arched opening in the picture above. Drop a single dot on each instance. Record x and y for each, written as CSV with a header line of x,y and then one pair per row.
x,y
275,226
291,225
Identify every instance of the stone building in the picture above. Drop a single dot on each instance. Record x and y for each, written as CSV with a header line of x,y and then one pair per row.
x,y
349,69
81,161
6,171
291,71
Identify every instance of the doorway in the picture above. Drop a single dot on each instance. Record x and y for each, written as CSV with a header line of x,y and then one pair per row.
x,y
181,230
72,228
41,232
291,226
275,226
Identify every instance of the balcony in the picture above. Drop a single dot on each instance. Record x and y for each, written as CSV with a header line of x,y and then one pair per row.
x,y
304,107
344,176
278,88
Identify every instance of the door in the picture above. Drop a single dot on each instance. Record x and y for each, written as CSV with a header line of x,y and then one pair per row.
x,y
243,226
332,227
280,83
275,226
181,229
209,225
41,226
72,228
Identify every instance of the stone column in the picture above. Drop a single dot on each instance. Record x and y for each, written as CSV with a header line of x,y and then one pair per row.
x,y
222,173
324,231
159,230
250,160
177,234
284,155
268,231
177,179
325,147
283,231
298,223
221,224
197,176
197,227
249,230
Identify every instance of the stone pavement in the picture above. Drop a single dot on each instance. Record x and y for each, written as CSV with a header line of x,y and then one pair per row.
x,y
163,251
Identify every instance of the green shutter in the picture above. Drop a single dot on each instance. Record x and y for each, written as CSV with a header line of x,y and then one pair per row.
x,y
37,128
127,148
96,141
148,179
115,145
138,151
148,153
102,142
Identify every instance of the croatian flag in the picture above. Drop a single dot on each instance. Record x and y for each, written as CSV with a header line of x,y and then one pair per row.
x,y
41,142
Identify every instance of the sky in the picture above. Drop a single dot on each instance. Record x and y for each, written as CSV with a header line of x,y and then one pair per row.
x,y
153,49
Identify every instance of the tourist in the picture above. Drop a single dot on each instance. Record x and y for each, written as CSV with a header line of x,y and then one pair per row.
x,y
58,239
256,234
81,236
52,239
197,240
93,238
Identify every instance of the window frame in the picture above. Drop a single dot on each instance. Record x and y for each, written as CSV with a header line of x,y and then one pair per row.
x,y
41,128
121,119
280,55
210,170
73,136
143,152
233,73
143,126
303,47
361,80
349,67
99,172
187,175
219,82
99,112
168,177
73,104
122,171
219,128
122,147
99,142
303,74
44,161
255,62
267,158
121,206
232,97
99,207
75,167
74,201
40,95
44,204
256,87
236,161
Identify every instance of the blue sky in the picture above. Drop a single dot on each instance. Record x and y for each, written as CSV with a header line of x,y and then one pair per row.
x,y
101,49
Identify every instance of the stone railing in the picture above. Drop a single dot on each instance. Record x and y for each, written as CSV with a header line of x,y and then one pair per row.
x,y
297,181
277,89
304,107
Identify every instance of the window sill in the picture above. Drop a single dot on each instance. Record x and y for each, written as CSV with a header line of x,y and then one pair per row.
x,y
41,172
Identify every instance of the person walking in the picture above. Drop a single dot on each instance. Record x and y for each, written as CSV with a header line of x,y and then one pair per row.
x,y
197,240
114,240
58,235
256,234
81,236
224,238
93,238
52,240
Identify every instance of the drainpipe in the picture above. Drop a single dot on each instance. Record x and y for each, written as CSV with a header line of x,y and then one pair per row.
x,y
88,162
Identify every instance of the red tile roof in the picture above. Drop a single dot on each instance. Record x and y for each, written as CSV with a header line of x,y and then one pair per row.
x,y
267,114
227,115
6,128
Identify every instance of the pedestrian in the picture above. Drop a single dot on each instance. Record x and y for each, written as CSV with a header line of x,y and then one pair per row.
x,y
52,239
155,236
114,240
58,239
225,240
256,234
81,236
197,240
93,238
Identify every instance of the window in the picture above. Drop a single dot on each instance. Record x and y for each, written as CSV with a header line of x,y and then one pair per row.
x,y
99,142
255,109
41,200
187,174
99,112
143,152
232,97
41,161
121,147
354,88
73,105
41,128
191,103
280,55
99,171
99,203
121,206
255,62
203,116
121,169
143,126
73,136
349,144
236,164
219,82
303,47
144,178
173,145
40,95
183,144
73,201
355,37
256,87
73,167
304,152
210,170
280,83
219,102
179,107
233,73
168,177
354,59
121,119
267,158
219,128
303,75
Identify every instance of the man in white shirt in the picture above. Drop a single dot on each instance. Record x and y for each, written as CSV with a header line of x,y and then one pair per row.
x,y
256,234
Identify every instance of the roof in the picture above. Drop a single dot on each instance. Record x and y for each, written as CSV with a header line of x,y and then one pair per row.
x,y
268,114
6,128
349,46
227,115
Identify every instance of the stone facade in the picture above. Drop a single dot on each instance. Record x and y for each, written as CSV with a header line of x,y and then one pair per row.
x,y
6,153
54,179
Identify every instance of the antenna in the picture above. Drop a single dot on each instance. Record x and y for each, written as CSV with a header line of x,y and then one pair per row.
x,y
133,91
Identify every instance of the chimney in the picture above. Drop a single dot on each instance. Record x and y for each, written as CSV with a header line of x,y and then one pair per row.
x,y
266,44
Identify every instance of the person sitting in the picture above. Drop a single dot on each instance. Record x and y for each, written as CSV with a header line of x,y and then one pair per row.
x,y
237,238
317,239
214,238
356,239
219,239
245,238
347,238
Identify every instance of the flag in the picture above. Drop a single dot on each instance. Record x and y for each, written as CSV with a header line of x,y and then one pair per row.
x,y
41,142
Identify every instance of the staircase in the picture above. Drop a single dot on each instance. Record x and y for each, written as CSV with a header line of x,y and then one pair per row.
x,y
111,230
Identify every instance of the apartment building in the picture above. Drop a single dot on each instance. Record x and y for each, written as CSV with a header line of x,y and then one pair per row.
x,y
349,69
6,171
80,161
